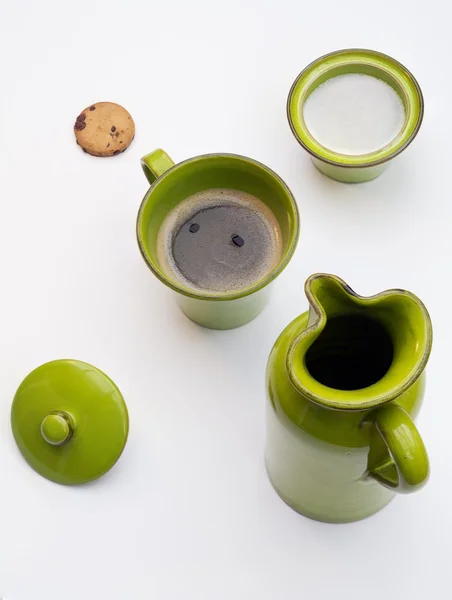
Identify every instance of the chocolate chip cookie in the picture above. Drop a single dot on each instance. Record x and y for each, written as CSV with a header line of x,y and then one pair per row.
x,y
104,129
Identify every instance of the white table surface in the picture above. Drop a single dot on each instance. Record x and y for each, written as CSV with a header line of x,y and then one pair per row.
x,y
188,511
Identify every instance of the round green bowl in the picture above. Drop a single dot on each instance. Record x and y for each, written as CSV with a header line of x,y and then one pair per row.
x,y
358,167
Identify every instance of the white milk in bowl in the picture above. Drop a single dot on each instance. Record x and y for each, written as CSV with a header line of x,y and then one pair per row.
x,y
354,114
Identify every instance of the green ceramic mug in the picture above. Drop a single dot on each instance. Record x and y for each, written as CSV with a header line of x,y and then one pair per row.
x,y
361,167
171,184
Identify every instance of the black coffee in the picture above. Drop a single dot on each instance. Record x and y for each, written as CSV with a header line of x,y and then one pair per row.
x,y
219,241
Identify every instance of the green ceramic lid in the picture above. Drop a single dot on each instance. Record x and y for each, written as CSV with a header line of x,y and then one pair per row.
x,y
70,421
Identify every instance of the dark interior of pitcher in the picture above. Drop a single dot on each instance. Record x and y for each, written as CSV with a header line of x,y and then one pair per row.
x,y
351,353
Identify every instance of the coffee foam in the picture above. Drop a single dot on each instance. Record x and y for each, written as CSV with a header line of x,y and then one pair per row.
x,y
229,279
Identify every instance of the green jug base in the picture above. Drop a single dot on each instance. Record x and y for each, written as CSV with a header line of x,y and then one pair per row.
x,y
328,518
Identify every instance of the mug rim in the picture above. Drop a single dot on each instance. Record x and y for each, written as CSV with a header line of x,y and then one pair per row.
x,y
302,131
247,291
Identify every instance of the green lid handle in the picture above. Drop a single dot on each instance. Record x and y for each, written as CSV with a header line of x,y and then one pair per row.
x,y
397,458
57,428
155,164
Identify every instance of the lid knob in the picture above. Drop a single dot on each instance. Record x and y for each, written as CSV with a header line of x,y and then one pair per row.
x,y
56,428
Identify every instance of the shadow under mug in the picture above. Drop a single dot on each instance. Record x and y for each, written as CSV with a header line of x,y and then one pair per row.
x,y
171,184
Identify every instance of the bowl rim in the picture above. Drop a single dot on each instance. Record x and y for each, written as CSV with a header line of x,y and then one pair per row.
x,y
357,161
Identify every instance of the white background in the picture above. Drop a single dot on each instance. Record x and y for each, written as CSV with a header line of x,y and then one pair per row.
x,y
188,512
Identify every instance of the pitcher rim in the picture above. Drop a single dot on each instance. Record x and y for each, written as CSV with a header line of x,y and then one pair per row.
x,y
370,400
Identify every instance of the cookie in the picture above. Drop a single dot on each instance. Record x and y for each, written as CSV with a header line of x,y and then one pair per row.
x,y
104,129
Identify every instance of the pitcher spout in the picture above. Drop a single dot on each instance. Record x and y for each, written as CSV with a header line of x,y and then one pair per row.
x,y
358,352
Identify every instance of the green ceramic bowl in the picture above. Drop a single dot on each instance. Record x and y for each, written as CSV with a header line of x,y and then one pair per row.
x,y
172,183
362,167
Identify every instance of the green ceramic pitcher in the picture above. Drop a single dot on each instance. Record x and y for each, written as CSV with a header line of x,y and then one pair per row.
x,y
345,381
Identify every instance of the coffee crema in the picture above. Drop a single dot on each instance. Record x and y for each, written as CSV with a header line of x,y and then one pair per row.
x,y
219,241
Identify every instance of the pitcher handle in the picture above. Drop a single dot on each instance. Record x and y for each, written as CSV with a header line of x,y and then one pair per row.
x,y
155,164
397,458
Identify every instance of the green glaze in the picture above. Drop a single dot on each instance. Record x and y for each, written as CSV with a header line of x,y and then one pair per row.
x,y
364,167
407,468
170,184
155,164
69,421
336,455
57,428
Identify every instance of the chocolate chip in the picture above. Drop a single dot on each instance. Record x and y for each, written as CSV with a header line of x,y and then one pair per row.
x,y
92,107
117,134
194,227
116,152
113,128
120,141
80,122
238,241
108,145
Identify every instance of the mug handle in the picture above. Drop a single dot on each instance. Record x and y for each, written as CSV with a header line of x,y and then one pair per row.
x,y
155,164
397,458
